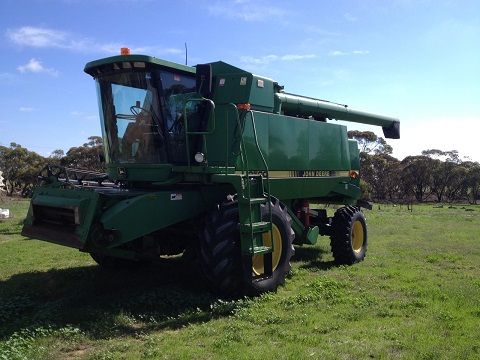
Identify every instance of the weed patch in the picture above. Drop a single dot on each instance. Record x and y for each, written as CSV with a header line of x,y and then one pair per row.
x,y
23,344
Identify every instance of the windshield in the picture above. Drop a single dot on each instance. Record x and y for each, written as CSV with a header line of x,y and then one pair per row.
x,y
142,115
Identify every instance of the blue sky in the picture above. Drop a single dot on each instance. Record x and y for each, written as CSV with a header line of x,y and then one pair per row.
x,y
415,60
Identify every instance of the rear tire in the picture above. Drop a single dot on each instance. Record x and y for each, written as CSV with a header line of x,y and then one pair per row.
x,y
349,238
220,252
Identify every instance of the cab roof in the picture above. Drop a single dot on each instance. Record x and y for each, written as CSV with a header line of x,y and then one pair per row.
x,y
92,66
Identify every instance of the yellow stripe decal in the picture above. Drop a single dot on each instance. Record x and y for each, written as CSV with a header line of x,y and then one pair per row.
x,y
299,173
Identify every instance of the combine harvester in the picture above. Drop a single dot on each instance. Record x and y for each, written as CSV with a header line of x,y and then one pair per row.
x,y
210,158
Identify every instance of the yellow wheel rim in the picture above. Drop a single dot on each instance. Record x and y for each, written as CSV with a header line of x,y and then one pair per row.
x,y
257,260
358,236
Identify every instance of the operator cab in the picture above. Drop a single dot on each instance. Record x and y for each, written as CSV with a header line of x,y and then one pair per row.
x,y
143,102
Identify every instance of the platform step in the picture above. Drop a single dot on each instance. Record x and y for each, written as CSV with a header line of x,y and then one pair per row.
x,y
256,200
261,250
256,227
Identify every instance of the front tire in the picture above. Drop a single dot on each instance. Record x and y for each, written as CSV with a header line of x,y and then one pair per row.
x,y
219,254
349,238
283,236
220,251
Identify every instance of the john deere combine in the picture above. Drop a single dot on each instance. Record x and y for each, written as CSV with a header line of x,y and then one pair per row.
x,y
211,158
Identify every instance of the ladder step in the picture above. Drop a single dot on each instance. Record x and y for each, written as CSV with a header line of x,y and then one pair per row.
x,y
261,250
256,227
257,200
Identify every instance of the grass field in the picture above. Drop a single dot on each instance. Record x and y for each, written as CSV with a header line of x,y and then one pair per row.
x,y
416,296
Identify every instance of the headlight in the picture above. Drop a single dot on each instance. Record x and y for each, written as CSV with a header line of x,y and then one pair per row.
x,y
200,157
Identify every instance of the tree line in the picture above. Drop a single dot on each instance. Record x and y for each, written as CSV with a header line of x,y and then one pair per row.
x,y
21,167
435,175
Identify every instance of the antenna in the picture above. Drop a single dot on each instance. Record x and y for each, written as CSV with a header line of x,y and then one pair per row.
x,y
186,54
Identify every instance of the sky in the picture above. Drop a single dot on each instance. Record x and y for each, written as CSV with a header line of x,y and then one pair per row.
x,y
415,60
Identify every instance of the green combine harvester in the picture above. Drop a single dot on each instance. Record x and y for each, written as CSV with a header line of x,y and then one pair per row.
x,y
209,160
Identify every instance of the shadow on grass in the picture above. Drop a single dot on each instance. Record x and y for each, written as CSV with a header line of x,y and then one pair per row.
x,y
113,303
311,258
108,303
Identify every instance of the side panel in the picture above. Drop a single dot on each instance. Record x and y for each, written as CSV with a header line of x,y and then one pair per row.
x,y
328,146
333,189
354,155
141,215
290,143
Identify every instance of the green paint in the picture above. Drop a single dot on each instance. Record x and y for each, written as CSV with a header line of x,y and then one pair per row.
x,y
281,136
150,212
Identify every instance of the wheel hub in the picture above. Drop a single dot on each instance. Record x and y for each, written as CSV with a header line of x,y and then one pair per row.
x,y
257,260
357,236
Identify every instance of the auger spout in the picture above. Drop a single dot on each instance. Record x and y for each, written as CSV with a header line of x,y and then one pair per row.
x,y
295,105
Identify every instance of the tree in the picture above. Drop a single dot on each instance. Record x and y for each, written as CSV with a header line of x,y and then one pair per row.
x,y
457,187
380,171
416,176
377,166
472,181
20,168
88,156
55,157
370,143
449,174
1,184
450,156
443,167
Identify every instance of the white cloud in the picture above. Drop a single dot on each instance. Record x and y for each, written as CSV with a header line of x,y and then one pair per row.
x,y
267,59
258,60
39,37
153,50
35,66
360,52
246,10
293,57
26,109
347,53
337,53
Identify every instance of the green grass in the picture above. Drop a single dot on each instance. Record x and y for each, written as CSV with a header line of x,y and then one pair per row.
x,y
416,296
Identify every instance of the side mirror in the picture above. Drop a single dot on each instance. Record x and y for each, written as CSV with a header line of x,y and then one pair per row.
x,y
204,80
203,110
